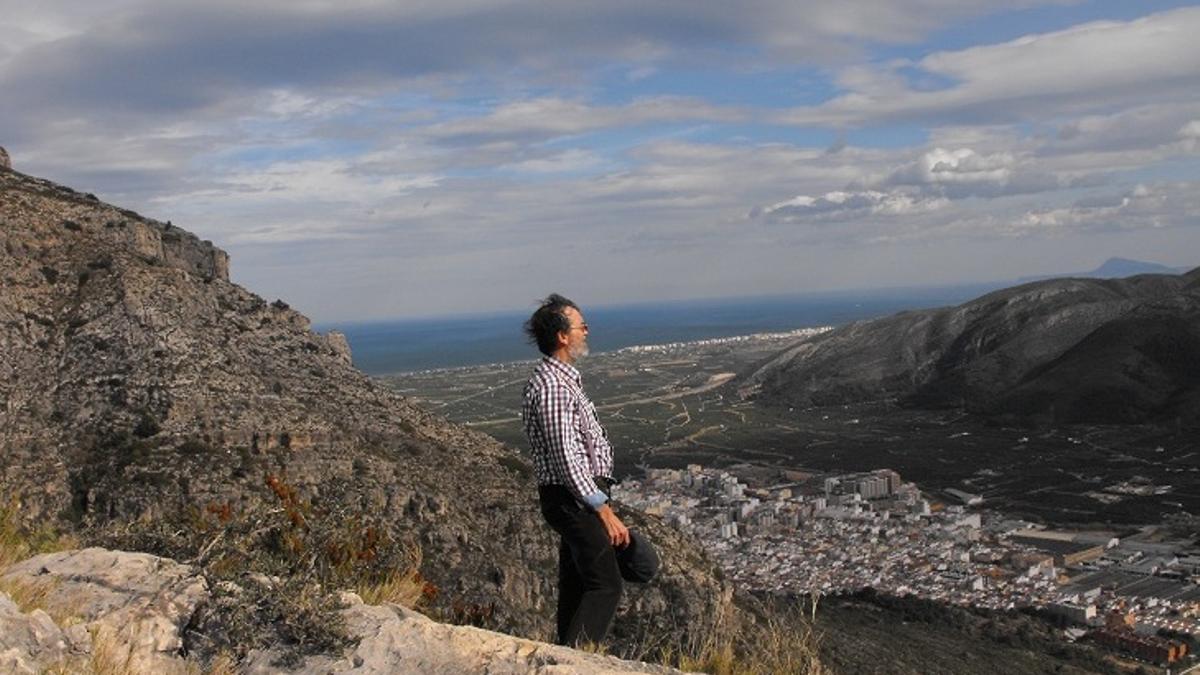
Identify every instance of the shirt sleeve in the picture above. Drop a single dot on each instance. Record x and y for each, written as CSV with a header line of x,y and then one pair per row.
x,y
560,418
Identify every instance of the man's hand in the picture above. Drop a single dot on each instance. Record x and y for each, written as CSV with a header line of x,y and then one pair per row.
x,y
618,534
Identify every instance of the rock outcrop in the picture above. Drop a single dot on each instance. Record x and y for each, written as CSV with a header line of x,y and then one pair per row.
x,y
5,162
393,639
133,610
137,605
139,385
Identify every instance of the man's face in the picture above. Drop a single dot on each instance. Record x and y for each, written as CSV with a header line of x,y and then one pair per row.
x,y
576,336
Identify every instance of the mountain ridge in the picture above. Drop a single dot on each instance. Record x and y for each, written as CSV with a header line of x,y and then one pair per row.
x,y
991,354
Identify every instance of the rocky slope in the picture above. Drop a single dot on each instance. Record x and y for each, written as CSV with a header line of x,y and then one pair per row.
x,y
111,611
139,387
1069,350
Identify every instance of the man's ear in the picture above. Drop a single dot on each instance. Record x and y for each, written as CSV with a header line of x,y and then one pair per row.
x,y
562,339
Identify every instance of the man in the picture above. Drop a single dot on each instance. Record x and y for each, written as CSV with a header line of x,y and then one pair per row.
x,y
573,463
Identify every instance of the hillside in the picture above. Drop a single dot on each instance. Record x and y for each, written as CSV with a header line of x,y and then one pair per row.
x,y
143,395
1069,350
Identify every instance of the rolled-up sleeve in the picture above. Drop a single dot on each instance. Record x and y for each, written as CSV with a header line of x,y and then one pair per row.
x,y
559,415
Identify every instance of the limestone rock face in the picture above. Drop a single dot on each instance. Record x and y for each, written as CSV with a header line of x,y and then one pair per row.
x,y
140,604
393,639
5,162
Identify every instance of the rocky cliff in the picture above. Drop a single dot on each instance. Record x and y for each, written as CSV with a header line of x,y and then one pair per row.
x,y
1069,350
141,389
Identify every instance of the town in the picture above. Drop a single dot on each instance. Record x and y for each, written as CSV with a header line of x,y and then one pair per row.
x,y
802,533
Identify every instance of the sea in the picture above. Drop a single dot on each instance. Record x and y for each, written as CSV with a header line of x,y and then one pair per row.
x,y
408,345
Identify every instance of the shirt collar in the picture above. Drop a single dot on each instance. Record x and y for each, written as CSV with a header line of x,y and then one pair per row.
x,y
563,368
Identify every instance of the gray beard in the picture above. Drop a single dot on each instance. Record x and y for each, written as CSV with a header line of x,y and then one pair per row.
x,y
579,352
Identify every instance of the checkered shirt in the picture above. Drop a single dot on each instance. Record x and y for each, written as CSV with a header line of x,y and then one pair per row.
x,y
568,444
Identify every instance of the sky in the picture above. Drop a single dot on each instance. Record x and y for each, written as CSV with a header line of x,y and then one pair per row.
x,y
373,159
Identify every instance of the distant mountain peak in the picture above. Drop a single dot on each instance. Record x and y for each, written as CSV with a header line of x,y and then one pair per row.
x,y
1113,268
1125,267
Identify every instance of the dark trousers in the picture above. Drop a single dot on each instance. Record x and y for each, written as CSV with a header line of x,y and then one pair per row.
x,y
589,582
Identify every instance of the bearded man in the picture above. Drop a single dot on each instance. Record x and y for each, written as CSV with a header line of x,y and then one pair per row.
x,y
573,463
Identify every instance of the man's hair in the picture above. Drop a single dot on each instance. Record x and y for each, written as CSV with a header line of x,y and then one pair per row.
x,y
548,321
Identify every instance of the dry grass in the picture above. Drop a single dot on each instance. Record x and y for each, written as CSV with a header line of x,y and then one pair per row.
x,y
783,643
40,594
110,654
18,542
405,588
402,586
223,664
27,595
594,648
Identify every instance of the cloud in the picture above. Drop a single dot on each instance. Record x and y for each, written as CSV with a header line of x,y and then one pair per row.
x,y
963,165
1159,125
922,184
1084,68
542,118
1143,207
296,201
1189,136
963,172
848,205
569,161
168,59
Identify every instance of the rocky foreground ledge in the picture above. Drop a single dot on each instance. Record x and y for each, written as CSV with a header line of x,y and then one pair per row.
x,y
64,610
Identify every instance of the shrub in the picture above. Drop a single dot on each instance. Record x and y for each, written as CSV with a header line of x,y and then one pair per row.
x,y
18,541
402,586
275,566
195,447
146,427
781,639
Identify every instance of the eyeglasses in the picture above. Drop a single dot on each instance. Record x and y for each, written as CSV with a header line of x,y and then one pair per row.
x,y
583,327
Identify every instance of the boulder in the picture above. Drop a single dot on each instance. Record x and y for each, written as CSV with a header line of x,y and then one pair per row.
x,y
27,639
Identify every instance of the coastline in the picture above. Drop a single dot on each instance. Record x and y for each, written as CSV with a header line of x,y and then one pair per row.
x,y
797,333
